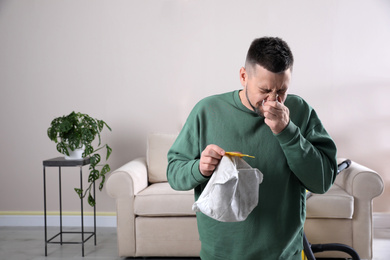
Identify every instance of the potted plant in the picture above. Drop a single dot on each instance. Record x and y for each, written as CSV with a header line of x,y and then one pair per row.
x,y
77,131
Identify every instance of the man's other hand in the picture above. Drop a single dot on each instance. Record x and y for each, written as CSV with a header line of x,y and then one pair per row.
x,y
209,159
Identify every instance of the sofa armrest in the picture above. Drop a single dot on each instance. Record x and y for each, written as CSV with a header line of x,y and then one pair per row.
x,y
129,179
364,185
360,181
123,184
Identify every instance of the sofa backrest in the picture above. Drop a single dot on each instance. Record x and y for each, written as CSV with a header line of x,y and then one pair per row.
x,y
156,156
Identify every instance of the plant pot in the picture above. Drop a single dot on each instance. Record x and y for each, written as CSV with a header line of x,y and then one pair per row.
x,y
77,154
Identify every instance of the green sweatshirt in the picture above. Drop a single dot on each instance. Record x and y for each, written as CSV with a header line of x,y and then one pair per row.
x,y
302,156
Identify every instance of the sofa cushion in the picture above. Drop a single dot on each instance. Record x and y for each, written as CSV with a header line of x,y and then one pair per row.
x,y
159,199
156,156
336,203
167,237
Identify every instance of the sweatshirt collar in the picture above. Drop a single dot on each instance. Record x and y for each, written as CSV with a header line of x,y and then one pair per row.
x,y
240,105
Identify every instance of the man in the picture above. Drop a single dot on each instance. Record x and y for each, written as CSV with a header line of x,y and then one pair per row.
x,y
292,149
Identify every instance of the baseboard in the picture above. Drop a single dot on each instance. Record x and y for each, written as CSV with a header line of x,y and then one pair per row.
x,y
69,219
381,220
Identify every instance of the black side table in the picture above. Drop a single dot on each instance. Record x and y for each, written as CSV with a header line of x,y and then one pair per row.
x,y
62,162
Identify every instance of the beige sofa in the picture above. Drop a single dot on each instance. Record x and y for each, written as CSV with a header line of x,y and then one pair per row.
x,y
155,220
344,214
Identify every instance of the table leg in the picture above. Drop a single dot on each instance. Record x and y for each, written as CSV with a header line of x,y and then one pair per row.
x,y
82,212
94,212
60,197
44,207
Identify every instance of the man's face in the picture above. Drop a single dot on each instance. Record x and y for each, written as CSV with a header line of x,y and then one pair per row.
x,y
261,85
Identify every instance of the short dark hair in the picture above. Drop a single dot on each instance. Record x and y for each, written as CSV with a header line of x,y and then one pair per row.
x,y
272,53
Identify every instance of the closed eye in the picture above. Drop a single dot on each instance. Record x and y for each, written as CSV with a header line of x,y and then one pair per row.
x,y
265,91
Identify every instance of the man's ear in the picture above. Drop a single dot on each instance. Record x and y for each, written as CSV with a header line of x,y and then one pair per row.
x,y
243,76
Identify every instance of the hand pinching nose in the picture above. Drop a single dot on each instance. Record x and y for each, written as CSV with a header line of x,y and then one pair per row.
x,y
276,99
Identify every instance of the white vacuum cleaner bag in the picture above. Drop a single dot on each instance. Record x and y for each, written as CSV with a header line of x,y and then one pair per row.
x,y
232,191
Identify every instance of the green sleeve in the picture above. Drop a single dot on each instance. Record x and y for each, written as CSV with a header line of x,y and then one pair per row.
x,y
311,156
183,158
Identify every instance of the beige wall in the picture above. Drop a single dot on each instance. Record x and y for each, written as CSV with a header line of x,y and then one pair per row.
x,y
142,65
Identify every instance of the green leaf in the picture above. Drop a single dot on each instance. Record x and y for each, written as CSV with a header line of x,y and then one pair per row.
x,y
65,126
88,150
100,125
95,159
105,169
102,182
61,147
52,134
109,128
109,151
79,192
100,139
91,200
93,175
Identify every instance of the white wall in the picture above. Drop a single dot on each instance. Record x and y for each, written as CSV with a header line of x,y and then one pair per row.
x,y
142,65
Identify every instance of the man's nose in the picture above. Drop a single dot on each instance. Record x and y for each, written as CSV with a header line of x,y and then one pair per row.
x,y
273,97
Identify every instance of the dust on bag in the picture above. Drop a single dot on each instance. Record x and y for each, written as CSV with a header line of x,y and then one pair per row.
x,y
232,191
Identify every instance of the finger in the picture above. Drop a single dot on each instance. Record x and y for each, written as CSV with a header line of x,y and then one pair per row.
x,y
275,105
207,168
274,109
214,151
270,112
277,122
210,160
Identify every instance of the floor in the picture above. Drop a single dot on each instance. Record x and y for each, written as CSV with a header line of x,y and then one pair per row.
x,y
27,243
